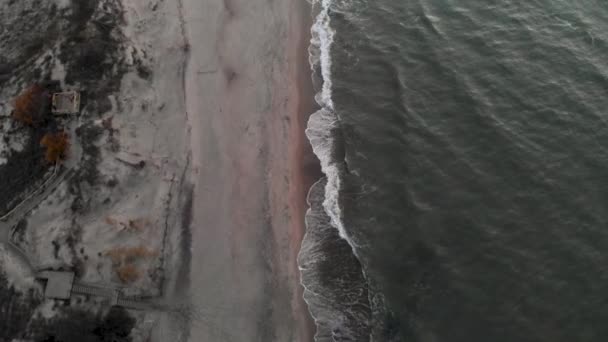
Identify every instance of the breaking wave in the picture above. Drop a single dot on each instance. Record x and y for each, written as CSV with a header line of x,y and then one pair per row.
x,y
336,290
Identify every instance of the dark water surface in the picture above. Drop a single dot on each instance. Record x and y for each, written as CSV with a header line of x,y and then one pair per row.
x,y
466,148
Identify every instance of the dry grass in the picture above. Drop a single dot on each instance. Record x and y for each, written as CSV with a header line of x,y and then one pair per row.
x,y
128,273
138,224
125,259
130,254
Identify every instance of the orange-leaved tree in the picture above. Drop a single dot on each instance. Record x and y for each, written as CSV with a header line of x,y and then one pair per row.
x,y
27,105
57,145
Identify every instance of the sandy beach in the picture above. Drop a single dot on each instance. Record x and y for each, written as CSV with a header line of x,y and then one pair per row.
x,y
248,95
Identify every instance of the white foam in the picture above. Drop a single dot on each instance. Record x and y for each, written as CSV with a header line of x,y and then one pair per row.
x,y
319,132
322,39
320,126
322,122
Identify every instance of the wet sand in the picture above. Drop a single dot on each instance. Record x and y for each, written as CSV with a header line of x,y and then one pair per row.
x,y
248,95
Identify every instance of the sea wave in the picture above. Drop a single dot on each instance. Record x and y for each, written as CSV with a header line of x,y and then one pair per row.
x,y
334,286
323,124
336,290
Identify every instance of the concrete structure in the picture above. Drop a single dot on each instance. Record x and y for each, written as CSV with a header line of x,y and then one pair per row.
x,y
58,284
66,103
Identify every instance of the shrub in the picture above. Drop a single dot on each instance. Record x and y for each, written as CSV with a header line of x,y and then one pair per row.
x,y
29,105
116,326
84,326
57,145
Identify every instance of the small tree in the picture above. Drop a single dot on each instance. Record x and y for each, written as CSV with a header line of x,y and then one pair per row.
x,y
72,325
56,145
116,326
28,105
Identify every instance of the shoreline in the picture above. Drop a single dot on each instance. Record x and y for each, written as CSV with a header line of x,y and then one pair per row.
x,y
307,168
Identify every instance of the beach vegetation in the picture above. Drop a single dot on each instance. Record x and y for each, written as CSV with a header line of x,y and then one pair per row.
x,y
128,273
84,326
30,105
57,145
125,261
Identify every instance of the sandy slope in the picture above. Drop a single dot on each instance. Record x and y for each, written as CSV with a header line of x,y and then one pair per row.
x,y
246,100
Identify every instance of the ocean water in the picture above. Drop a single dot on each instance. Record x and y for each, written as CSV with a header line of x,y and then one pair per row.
x,y
465,148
